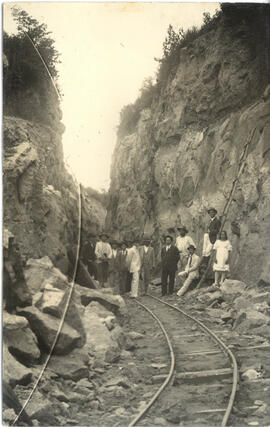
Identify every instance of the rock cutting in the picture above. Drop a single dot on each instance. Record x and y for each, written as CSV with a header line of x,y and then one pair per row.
x,y
147,305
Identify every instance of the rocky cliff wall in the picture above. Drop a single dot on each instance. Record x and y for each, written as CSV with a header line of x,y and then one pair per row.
x,y
41,199
184,153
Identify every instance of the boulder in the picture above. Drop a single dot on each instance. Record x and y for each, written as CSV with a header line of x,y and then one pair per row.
x,y
74,367
9,416
135,335
250,319
19,339
41,272
114,303
13,372
251,374
118,335
99,342
45,327
40,408
262,297
53,301
99,309
232,287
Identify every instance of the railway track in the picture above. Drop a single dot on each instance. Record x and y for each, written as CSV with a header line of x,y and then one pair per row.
x,y
208,364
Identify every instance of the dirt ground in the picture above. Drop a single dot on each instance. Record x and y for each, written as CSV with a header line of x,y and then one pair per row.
x,y
125,387
115,393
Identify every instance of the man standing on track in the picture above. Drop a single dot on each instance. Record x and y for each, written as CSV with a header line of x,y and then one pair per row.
x,y
122,267
103,253
88,255
169,260
113,275
148,264
134,266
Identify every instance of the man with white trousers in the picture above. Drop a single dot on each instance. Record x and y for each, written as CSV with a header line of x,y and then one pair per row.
x,y
134,266
191,271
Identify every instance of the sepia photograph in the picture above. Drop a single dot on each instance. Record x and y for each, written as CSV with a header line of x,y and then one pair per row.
x,y
136,214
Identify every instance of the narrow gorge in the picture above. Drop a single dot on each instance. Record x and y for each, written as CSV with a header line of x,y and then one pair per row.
x,y
76,353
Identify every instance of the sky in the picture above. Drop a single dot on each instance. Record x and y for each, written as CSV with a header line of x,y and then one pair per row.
x,y
107,50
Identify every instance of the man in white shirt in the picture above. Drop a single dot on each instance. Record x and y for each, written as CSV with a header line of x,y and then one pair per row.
x,y
191,271
148,263
134,266
103,252
113,278
182,243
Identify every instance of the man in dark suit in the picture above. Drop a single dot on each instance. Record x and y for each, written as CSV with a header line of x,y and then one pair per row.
x,y
88,255
169,260
214,225
123,269
209,238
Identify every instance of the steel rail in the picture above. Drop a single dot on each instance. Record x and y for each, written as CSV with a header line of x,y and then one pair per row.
x,y
226,350
169,376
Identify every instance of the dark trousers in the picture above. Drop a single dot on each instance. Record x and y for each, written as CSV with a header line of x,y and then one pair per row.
x,y
92,269
122,281
164,281
128,281
102,270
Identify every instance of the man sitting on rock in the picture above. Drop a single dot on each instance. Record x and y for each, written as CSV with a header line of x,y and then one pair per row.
x,y
191,271
182,243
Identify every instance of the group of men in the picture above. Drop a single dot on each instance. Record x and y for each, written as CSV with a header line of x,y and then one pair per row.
x,y
128,266
182,259
121,265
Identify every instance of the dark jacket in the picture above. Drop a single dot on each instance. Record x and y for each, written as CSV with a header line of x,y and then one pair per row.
x,y
88,252
122,261
170,258
213,229
148,258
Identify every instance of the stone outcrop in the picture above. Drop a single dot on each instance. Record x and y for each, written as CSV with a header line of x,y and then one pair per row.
x,y
19,339
41,199
13,371
186,148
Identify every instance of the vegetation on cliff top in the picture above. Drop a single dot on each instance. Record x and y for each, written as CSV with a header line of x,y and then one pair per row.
x,y
24,72
254,20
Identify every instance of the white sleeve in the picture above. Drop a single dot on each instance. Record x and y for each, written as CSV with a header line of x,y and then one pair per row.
x,y
229,246
97,250
109,251
215,245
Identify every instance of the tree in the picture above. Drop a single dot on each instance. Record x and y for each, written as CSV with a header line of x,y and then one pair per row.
x,y
40,37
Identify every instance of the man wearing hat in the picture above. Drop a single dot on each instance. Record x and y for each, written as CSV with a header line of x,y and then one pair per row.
x,y
169,260
103,254
212,231
113,266
191,271
183,241
122,268
148,263
134,267
89,256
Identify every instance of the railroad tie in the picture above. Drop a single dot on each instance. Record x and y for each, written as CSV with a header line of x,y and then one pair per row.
x,y
195,377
